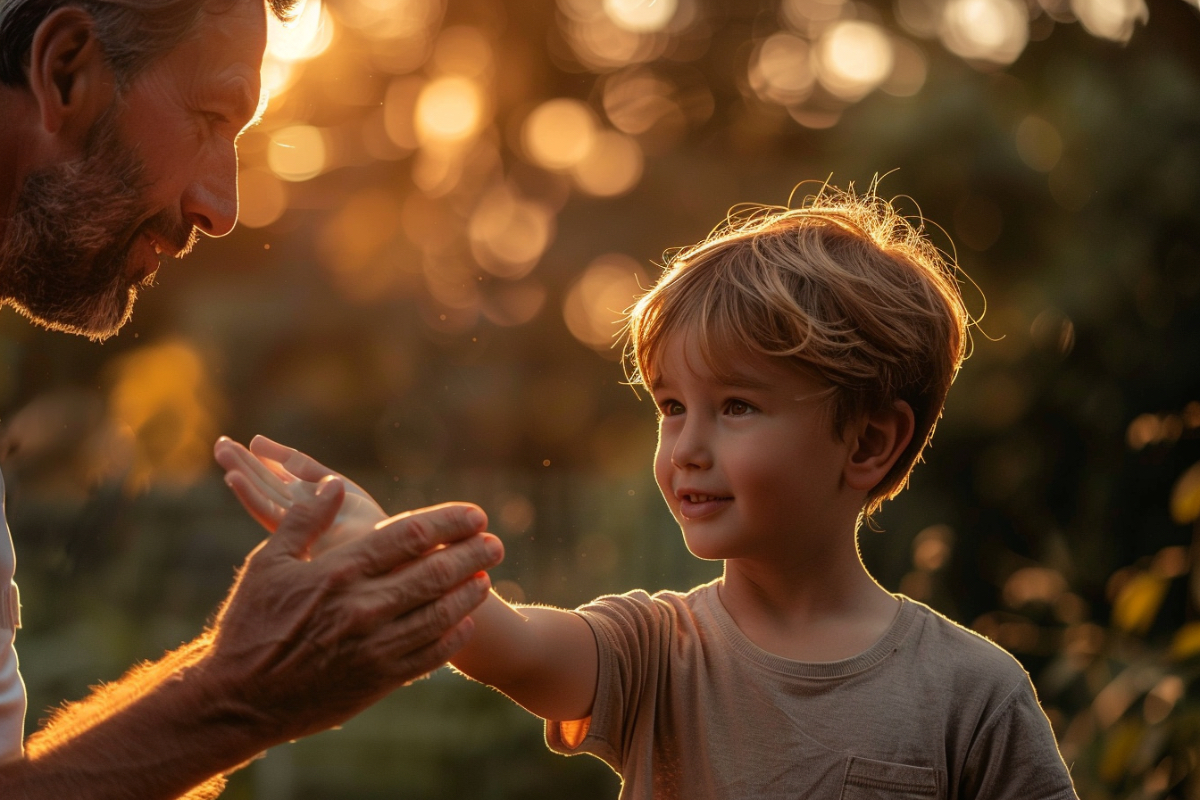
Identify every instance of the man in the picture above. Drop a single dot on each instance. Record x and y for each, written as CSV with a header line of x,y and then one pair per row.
x,y
118,128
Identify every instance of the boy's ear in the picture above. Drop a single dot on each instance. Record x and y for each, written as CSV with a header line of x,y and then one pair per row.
x,y
879,439
69,76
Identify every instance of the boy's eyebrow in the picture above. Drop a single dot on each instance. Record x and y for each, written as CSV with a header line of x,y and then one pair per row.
x,y
735,380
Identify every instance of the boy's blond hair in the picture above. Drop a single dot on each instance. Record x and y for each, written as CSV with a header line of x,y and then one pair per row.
x,y
844,287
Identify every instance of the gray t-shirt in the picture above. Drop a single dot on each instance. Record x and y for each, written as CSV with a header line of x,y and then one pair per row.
x,y
687,707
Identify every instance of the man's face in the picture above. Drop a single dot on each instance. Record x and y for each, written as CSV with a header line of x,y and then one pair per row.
x,y
158,165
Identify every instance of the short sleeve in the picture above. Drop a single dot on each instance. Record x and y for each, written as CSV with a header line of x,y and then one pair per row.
x,y
1014,755
630,631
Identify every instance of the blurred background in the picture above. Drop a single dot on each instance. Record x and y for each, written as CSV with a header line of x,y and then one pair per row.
x,y
444,210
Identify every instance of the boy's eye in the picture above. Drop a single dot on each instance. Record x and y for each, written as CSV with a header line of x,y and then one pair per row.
x,y
671,408
738,408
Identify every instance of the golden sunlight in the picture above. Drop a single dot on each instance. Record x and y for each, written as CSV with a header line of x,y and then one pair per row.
x,y
163,395
1110,19
612,167
559,133
262,198
297,153
595,306
449,110
985,30
509,233
853,58
781,69
641,16
303,38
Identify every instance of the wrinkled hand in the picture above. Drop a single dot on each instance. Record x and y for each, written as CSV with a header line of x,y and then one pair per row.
x,y
309,638
270,478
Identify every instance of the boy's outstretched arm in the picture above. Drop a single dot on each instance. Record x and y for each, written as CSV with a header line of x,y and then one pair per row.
x,y
545,659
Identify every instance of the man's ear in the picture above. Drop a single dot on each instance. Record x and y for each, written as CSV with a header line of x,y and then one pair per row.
x,y
69,76
879,439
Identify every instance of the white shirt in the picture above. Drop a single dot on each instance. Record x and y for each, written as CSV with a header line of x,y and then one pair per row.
x,y
12,689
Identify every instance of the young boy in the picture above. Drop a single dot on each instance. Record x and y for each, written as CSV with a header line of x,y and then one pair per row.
x,y
799,360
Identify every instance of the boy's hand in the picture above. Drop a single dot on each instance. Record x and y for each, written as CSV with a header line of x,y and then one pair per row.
x,y
270,478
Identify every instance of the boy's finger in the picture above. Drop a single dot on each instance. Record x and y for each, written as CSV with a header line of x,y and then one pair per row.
x,y
233,456
257,505
299,464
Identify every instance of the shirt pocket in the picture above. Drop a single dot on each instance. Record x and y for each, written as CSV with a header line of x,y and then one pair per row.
x,y
883,780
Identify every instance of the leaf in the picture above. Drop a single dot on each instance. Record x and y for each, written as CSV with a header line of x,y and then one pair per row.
x,y
1138,602
1185,497
1186,642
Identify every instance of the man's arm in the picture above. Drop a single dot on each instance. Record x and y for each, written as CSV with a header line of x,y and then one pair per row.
x,y
299,645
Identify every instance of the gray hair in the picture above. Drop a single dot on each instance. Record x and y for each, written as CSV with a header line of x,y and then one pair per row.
x,y
132,33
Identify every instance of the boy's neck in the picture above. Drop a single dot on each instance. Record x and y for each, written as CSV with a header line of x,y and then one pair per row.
x,y
826,609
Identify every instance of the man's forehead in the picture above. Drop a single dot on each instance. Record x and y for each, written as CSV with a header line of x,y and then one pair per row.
x,y
234,28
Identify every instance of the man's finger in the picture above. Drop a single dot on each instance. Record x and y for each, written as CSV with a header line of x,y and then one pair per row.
x,y
426,639
432,577
404,537
409,665
305,521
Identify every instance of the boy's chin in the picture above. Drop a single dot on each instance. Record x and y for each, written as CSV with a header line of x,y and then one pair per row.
x,y
705,548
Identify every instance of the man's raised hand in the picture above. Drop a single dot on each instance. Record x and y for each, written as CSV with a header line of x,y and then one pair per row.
x,y
310,635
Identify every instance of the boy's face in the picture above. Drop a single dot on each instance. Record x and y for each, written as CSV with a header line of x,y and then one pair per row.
x,y
748,464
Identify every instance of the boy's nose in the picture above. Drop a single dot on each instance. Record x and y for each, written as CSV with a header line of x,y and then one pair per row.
x,y
691,449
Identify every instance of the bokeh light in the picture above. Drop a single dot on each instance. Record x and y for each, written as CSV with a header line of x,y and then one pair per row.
x,y
449,110
509,233
1038,143
781,69
304,37
638,100
595,306
994,31
262,198
801,14
611,167
1110,19
297,152
853,58
514,303
391,20
463,50
559,133
162,395
353,245
641,16
909,69
399,111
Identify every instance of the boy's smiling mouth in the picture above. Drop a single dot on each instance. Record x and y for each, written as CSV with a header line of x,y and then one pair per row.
x,y
694,505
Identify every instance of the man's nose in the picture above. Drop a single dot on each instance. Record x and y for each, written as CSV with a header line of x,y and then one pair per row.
x,y
210,201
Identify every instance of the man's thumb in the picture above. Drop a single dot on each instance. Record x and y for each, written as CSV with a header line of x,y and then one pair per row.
x,y
309,518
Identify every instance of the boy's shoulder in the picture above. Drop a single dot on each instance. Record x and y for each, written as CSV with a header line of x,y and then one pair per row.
x,y
959,652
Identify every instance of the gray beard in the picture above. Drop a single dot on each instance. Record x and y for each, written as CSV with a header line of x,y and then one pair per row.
x,y
66,247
